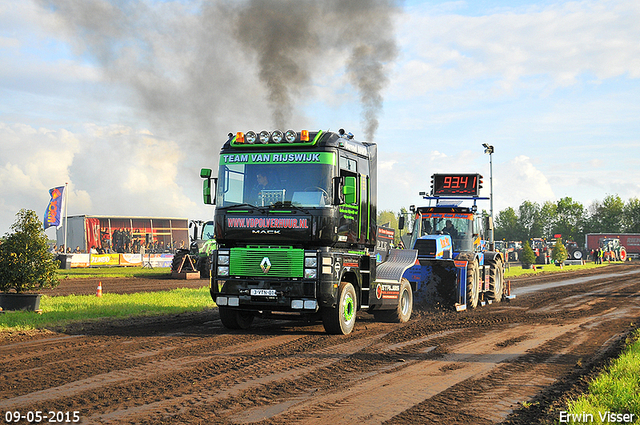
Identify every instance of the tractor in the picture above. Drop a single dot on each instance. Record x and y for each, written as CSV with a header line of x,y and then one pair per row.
x,y
198,257
612,250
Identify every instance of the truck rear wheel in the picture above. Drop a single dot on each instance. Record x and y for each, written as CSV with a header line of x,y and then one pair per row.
x,y
341,319
402,312
235,319
496,281
473,290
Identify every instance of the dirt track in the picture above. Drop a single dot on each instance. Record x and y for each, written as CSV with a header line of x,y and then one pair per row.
x,y
441,367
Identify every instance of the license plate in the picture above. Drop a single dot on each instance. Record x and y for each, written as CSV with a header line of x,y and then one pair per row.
x,y
263,292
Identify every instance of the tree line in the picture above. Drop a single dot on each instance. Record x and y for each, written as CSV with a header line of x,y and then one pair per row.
x,y
568,218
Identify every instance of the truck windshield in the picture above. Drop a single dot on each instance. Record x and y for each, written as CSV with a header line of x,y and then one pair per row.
x,y
302,184
458,226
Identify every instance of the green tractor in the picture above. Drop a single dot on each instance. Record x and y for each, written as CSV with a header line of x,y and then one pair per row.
x,y
198,257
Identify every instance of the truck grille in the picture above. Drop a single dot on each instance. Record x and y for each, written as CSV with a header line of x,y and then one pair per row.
x,y
426,247
284,262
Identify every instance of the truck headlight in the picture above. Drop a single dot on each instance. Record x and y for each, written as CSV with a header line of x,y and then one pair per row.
x,y
223,260
310,273
290,136
250,137
264,136
223,270
311,261
277,136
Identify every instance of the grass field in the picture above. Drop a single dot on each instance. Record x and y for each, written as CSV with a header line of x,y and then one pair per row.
x,y
113,272
616,391
515,271
58,311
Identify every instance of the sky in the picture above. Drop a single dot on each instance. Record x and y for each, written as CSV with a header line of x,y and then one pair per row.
x,y
126,101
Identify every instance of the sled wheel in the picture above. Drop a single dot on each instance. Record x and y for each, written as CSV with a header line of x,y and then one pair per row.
x,y
496,281
235,319
473,289
341,319
402,312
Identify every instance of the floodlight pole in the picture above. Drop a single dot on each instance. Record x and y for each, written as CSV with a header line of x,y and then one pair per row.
x,y
489,149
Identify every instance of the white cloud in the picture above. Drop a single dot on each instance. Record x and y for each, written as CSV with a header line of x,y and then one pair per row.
x,y
401,177
112,170
560,43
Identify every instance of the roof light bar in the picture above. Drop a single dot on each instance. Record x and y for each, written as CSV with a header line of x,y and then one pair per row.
x,y
252,139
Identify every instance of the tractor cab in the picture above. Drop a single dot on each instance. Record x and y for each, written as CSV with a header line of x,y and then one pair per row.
x,y
452,226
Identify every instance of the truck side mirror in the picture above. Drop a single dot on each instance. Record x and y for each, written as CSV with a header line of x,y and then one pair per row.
x,y
349,190
207,185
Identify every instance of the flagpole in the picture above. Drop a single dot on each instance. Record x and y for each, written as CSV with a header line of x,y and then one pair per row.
x,y
66,222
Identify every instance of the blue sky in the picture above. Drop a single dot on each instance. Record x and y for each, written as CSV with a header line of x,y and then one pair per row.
x,y
128,110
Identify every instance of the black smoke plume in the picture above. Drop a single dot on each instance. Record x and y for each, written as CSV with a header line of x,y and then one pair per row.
x,y
200,69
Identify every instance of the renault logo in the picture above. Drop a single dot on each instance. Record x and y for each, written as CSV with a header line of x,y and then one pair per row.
x,y
265,265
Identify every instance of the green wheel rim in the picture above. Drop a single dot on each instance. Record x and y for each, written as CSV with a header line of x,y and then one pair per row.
x,y
348,308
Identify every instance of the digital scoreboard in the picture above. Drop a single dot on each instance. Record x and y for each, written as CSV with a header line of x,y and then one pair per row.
x,y
456,185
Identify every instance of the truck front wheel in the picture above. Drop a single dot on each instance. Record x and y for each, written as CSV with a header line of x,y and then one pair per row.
x,y
235,319
341,319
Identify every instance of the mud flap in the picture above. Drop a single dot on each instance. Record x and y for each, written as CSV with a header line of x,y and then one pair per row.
x,y
461,276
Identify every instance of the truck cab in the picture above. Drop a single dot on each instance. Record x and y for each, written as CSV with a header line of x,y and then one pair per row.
x,y
296,233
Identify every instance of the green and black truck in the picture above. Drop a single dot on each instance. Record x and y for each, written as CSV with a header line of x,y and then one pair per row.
x,y
295,225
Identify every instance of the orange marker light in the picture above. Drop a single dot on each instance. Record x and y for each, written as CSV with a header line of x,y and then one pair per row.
x,y
304,135
239,137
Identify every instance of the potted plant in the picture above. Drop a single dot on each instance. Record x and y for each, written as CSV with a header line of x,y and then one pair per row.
x,y
528,257
559,253
26,264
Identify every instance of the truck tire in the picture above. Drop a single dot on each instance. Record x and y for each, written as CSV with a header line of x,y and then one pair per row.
x,y
496,281
341,319
473,289
235,319
402,312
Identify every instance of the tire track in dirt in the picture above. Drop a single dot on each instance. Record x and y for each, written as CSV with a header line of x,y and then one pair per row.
x,y
363,401
139,373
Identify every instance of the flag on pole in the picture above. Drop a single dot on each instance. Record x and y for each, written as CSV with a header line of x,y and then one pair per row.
x,y
53,214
